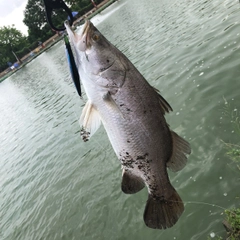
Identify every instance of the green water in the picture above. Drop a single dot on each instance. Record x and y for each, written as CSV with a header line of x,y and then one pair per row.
x,y
54,186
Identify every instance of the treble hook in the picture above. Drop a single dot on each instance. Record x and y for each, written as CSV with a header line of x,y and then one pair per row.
x,y
50,5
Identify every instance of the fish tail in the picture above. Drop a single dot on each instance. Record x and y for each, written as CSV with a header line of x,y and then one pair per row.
x,y
163,213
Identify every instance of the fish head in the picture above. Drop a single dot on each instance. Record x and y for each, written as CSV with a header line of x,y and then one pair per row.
x,y
96,55
92,46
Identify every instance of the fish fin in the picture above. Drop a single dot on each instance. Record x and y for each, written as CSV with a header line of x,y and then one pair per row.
x,y
180,152
131,183
89,121
163,213
165,106
111,103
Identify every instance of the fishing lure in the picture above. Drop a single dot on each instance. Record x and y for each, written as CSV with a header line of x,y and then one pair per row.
x,y
50,5
72,66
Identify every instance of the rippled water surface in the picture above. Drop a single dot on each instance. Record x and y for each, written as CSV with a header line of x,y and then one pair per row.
x,y
54,186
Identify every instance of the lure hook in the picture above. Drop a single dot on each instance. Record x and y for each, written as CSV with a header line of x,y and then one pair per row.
x,y
50,5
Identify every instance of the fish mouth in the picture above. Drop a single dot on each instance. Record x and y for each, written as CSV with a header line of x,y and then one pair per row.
x,y
87,26
87,33
83,40
68,27
72,35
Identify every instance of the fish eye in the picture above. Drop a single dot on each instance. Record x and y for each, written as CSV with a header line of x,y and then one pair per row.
x,y
95,37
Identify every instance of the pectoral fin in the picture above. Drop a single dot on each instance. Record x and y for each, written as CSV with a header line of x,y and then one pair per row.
x,y
181,149
89,121
111,103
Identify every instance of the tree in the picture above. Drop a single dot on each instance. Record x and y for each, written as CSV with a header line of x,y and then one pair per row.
x,y
11,41
35,20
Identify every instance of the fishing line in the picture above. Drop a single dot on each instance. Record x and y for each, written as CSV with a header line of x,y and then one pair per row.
x,y
200,203
205,203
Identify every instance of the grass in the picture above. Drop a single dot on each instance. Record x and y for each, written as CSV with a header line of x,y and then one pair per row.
x,y
232,216
233,150
232,223
232,219
233,115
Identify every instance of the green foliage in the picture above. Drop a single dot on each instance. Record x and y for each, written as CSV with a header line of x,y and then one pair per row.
x,y
24,51
232,222
34,14
233,115
234,153
35,20
79,5
233,150
233,219
85,9
11,40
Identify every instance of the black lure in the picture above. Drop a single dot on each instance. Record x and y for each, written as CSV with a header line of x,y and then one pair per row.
x,y
50,5
72,66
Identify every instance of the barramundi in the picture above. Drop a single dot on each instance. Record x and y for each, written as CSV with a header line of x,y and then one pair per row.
x,y
132,113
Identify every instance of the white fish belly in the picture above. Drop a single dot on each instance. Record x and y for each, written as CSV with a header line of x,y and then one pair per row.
x,y
137,129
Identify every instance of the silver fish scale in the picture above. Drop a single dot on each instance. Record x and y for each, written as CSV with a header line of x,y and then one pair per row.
x,y
140,135
132,113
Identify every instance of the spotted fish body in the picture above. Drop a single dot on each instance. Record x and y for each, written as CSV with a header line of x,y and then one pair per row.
x,y
132,112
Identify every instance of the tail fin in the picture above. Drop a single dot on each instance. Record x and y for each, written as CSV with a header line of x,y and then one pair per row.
x,y
163,213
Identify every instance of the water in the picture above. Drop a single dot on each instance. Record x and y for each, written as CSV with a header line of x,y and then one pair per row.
x,y
54,186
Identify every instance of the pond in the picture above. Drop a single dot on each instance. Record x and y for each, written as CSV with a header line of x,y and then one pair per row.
x,y
55,186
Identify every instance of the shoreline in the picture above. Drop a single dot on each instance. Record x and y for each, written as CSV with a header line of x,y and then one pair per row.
x,y
53,40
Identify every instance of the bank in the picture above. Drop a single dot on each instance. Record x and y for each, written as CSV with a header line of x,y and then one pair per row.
x,y
53,40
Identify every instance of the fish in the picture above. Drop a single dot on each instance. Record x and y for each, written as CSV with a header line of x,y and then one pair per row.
x,y
133,115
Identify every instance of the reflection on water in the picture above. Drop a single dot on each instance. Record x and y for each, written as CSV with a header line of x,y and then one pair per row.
x,y
54,186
